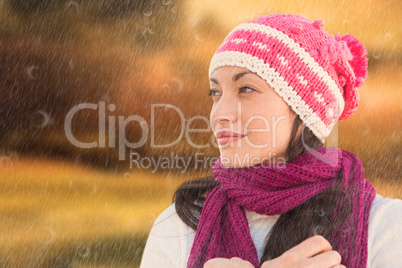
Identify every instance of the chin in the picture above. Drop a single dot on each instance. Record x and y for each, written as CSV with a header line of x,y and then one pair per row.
x,y
235,159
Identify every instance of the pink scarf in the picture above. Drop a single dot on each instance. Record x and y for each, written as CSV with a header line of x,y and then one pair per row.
x,y
274,188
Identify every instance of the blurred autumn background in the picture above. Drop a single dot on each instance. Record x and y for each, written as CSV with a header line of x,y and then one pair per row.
x,y
66,206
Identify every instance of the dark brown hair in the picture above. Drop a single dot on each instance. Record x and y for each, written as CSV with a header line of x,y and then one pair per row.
x,y
313,217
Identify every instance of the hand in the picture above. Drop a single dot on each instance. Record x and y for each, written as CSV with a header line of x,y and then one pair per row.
x,y
234,262
313,252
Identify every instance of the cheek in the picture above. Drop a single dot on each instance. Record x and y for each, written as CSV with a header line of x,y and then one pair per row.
x,y
211,120
283,131
259,130
271,129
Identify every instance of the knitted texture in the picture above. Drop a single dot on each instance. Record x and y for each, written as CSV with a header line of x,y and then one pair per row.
x,y
315,73
274,188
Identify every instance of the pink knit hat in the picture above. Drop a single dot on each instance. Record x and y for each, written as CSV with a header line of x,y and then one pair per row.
x,y
315,73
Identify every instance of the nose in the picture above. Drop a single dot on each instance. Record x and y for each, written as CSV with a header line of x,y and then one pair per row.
x,y
226,109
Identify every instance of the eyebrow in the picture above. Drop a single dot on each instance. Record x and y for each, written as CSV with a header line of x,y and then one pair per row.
x,y
234,78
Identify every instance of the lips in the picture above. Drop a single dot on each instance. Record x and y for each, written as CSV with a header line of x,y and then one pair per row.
x,y
224,136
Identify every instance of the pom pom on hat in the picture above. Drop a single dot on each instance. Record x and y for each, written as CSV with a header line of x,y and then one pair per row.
x,y
359,57
356,56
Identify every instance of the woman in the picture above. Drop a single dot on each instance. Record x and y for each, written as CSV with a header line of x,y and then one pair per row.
x,y
277,197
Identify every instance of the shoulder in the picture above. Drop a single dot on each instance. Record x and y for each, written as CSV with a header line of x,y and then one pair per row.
x,y
168,223
385,245
384,203
169,242
385,212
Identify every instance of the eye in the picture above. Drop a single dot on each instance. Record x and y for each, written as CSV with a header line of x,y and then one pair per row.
x,y
245,88
213,92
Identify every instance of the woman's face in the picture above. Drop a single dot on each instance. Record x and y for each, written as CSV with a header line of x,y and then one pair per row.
x,y
256,119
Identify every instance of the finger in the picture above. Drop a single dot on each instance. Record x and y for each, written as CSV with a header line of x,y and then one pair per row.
x,y
234,262
311,246
327,259
216,262
240,263
339,266
236,259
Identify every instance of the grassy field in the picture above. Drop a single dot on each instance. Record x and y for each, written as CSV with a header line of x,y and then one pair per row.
x,y
56,214
59,215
